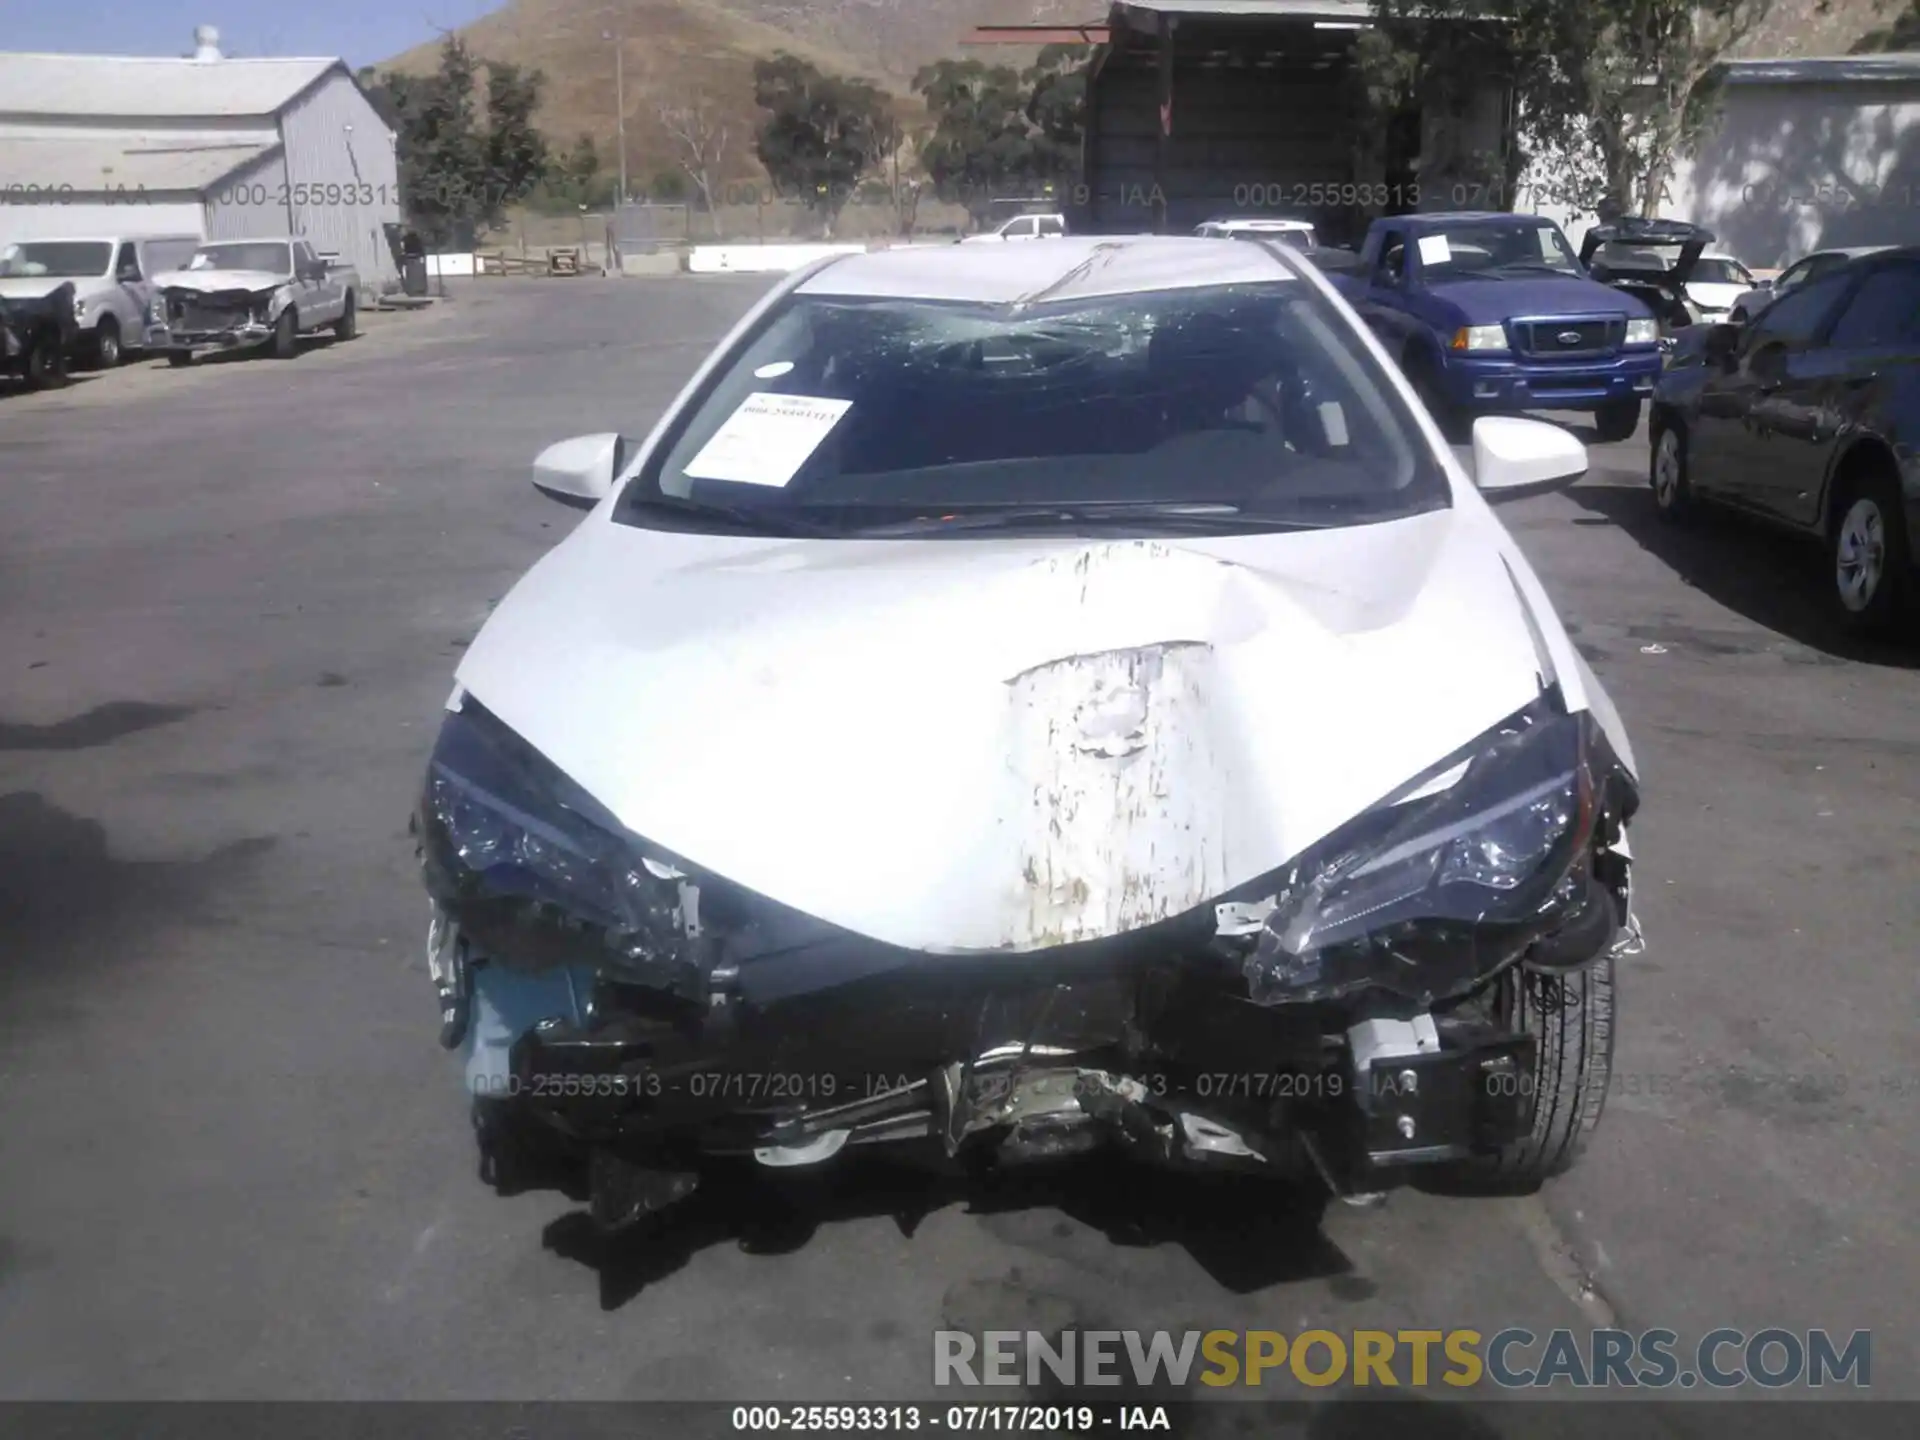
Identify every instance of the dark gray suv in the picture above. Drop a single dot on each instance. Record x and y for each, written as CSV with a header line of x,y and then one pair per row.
x,y
1810,417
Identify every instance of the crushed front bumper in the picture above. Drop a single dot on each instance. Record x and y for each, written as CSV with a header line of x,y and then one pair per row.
x,y
1154,1059
244,336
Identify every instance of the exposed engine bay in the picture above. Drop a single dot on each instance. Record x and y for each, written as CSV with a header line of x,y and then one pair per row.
x,y
1400,997
233,317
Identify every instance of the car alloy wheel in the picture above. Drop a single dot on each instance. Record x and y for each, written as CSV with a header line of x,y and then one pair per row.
x,y
1670,473
1860,554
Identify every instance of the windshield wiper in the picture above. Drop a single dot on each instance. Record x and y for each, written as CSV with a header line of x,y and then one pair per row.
x,y
751,519
1181,515
1534,265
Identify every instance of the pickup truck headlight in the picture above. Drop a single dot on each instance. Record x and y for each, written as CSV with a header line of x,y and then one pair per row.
x,y
1426,897
157,311
1643,332
1480,337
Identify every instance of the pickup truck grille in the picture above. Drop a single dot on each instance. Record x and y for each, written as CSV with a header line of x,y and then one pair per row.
x,y
1549,338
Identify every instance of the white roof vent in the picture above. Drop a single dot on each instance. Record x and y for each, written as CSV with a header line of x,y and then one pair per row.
x,y
206,43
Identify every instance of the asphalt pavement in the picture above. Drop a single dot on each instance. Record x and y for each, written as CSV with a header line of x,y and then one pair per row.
x,y
234,1164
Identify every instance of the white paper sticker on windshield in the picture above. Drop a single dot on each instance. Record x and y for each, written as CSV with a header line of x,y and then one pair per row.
x,y
773,371
1333,420
1434,250
768,439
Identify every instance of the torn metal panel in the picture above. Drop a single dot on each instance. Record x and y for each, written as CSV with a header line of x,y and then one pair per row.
x,y
1123,827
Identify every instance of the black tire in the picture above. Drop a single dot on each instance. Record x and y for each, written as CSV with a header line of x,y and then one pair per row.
x,y
106,350
286,335
348,325
1616,421
1667,472
1571,1020
1456,424
179,359
46,366
1869,553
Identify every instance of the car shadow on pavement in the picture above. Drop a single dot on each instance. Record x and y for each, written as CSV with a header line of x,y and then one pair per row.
x,y
1248,1233
1775,579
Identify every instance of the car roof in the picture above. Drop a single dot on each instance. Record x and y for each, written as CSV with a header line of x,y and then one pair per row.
x,y
1273,222
1073,267
126,237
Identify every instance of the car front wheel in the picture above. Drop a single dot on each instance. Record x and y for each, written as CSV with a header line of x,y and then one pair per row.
x,y
1571,1020
286,335
1672,495
106,344
1870,553
1617,421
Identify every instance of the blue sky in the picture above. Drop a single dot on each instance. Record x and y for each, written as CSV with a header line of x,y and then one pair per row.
x,y
364,31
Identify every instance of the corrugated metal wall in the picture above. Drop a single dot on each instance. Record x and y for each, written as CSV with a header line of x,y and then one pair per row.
x,y
1260,114
251,203
343,181
82,216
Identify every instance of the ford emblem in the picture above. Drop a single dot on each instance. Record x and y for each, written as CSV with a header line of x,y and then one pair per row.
x,y
1571,337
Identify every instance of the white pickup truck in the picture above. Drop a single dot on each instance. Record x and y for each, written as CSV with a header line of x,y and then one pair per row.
x,y
112,279
1021,227
239,294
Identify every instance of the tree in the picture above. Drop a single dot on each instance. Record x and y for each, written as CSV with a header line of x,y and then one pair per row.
x,y
699,134
1616,90
577,178
1902,34
457,175
1057,109
517,158
821,132
982,142
442,154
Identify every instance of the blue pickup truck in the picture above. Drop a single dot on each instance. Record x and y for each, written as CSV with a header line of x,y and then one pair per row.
x,y
1494,314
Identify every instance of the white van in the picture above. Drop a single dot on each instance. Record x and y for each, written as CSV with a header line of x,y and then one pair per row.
x,y
112,284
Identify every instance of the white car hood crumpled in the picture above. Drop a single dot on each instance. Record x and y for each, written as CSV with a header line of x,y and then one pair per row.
x,y
210,282
1005,744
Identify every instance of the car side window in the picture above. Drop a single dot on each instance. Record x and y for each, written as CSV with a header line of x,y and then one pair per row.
x,y
1052,227
128,259
1885,308
1789,277
1794,319
1393,258
1020,229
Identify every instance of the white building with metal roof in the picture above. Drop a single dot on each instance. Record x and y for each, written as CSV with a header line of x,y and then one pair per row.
x,y
1804,153
225,148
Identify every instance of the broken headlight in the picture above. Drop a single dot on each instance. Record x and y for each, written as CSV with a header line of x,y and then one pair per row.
x,y
521,855
1434,889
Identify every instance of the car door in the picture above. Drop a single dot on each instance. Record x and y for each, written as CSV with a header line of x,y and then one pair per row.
x,y
131,293
311,292
1386,308
1830,385
1726,443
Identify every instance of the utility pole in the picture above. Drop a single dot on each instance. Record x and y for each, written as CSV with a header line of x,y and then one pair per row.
x,y
620,105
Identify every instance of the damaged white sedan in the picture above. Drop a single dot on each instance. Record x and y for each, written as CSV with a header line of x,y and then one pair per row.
x,y
1026,699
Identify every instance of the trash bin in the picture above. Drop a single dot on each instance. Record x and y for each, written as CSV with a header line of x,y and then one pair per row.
x,y
413,275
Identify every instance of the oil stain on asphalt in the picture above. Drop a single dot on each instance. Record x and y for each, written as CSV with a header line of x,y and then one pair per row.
x,y
102,725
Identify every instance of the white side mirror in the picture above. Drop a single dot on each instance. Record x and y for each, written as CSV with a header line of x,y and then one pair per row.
x,y
581,471
1512,455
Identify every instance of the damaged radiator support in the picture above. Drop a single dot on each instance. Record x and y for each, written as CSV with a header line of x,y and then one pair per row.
x,y
1169,1071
